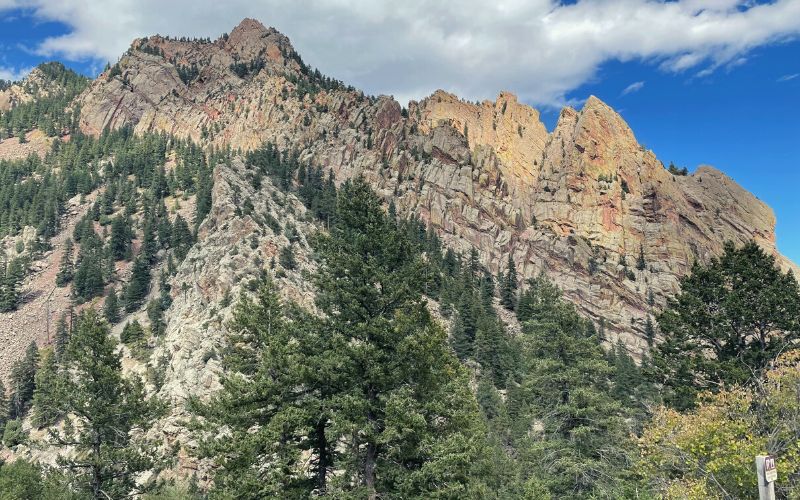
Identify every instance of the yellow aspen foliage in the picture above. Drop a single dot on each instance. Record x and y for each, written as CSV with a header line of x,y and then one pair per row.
x,y
709,452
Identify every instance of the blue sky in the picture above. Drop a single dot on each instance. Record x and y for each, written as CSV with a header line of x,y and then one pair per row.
x,y
739,116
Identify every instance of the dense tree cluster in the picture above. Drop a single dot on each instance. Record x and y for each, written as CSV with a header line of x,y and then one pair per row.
x,y
373,398
49,110
187,73
385,408
732,318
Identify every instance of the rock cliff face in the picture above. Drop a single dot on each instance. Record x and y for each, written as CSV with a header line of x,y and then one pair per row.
x,y
584,203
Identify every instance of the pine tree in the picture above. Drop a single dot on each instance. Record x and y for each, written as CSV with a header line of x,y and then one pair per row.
x,y
465,326
641,264
649,331
111,307
88,281
156,316
149,241
139,284
378,359
626,374
181,237
103,408
10,281
120,242
4,407
286,258
67,269
731,318
47,393
494,350
61,337
508,291
23,382
462,345
132,334
566,388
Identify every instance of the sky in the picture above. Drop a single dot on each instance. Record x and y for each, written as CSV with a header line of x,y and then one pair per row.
x,y
699,81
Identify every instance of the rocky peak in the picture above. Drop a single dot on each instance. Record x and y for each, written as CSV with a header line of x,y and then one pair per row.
x,y
251,39
580,203
511,129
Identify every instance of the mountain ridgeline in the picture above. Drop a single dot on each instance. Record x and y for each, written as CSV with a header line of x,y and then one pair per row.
x,y
319,292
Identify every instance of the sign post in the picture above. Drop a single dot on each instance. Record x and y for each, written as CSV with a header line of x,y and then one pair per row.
x,y
767,475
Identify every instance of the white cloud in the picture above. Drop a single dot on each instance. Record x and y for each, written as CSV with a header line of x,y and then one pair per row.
x,y
786,78
540,49
13,74
633,87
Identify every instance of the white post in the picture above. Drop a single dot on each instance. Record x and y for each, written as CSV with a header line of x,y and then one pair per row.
x,y
766,485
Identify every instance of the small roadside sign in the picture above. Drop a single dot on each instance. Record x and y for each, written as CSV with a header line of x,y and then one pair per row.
x,y
770,470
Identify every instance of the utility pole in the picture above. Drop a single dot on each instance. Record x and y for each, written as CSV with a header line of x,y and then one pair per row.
x,y
767,475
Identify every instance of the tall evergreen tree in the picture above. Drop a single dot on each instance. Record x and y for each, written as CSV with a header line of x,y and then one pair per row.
x,y
4,406
286,258
103,409
640,262
156,316
10,281
23,382
120,242
61,337
578,443
508,290
385,406
111,307
139,284
732,317
649,331
181,237
67,269
47,393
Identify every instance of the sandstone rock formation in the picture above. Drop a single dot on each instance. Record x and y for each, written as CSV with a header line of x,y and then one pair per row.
x,y
579,203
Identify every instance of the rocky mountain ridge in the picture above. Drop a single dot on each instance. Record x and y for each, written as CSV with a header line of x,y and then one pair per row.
x,y
585,203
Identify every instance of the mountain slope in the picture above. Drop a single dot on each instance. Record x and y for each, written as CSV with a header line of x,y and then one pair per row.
x,y
586,203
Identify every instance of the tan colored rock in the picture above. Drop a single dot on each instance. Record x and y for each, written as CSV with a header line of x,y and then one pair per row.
x,y
480,174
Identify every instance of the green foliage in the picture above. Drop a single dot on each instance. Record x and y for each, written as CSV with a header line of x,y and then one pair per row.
x,y
132,334
677,171
49,110
67,269
137,288
182,238
20,479
47,393
13,434
708,452
369,390
103,408
11,275
732,317
111,310
23,382
155,313
286,258
641,264
61,337
121,235
187,73
4,407
565,425
508,290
